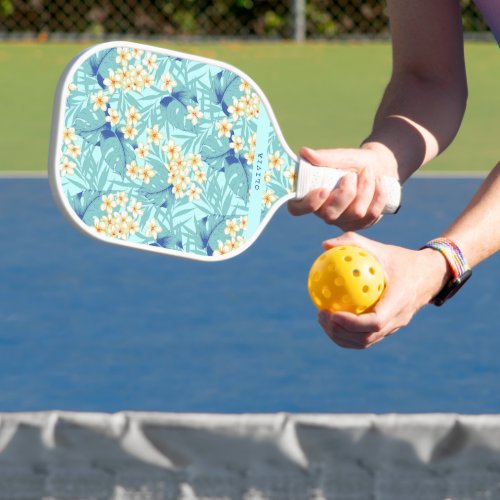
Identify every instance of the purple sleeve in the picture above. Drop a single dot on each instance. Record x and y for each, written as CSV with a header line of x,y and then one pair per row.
x,y
490,9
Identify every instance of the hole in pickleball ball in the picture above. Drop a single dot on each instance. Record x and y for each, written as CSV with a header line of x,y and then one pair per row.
x,y
366,289
316,276
372,271
346,299
360,309
348,258
317,301
339,281
356,273
379,287
330,268
363,254
327,293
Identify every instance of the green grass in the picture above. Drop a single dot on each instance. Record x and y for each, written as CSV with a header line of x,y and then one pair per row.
x,y
324,95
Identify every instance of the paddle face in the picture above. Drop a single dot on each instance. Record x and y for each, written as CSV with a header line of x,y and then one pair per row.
x,y
166,152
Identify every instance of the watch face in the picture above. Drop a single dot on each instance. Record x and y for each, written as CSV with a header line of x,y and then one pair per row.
x,y
451,288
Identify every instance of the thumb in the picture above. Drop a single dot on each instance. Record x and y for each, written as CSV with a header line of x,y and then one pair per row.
x,y
354,159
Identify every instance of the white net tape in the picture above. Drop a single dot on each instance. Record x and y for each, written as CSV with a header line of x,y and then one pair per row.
x,y
154,456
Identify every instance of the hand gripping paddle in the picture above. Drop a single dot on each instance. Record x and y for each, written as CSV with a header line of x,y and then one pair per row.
x,y
172,153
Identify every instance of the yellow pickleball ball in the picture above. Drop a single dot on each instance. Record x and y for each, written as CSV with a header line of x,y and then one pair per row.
x,y
346,278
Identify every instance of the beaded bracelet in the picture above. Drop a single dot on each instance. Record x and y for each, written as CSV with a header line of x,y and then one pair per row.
x,y
460,269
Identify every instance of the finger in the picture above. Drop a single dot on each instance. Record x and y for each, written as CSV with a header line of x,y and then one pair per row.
x,y
339,199
337,158
338,334
348,238
355,215
378,202
310,203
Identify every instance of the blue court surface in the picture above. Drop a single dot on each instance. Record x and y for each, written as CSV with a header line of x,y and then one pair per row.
x,y
91,327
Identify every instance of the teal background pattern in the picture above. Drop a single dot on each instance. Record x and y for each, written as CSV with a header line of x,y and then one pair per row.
x,y
160,150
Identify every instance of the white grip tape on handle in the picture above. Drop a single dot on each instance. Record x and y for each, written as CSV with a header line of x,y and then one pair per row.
x,y
311,177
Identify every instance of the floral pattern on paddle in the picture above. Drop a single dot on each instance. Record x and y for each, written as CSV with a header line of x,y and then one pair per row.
x,y
162,150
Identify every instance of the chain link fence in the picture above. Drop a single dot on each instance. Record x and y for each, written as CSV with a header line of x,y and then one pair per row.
x,y
286,19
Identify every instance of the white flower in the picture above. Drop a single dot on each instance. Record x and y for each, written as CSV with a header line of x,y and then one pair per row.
x,y
172,149
133,116
100,100
194,161
121,198
150,61
68,135
231,227
168,83
135,208
245,87
129,132
237,109
222,249
113,116
108,203
132,170
269,198
74,151
224,128
146,173
141,150
113,81
152,228
177,191
123,56
275,161
194,114
291,175
154,135
250,157
237,143
66,167
200,177
194,192
136,53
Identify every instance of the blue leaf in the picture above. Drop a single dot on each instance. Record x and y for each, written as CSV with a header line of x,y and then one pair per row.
x,y
225,87
210,230
81,202
116,151
100,64
89,125
173,110
170,241
162,198
214,152
237,176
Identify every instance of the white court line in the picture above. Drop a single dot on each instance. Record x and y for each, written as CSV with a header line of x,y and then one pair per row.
x,y
23,175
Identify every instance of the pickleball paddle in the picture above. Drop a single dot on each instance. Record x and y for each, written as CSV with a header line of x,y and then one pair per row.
x,y
173,153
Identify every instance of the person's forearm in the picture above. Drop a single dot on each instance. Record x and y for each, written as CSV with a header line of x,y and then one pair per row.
x,y
477,230
416,120
424,103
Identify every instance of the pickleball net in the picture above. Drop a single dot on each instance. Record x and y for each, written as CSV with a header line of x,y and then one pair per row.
x,y
159,456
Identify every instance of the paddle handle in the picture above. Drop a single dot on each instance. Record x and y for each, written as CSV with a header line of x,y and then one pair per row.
x,y
312,177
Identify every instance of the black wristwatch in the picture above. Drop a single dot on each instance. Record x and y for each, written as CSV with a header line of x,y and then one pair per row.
x,y
458,265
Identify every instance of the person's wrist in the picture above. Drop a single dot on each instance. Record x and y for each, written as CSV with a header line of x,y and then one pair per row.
x,y
388,165
437,272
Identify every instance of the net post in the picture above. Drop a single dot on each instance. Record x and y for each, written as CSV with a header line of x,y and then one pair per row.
x,y
299,20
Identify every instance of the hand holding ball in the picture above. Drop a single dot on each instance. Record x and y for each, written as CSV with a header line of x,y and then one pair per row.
x,y
346,278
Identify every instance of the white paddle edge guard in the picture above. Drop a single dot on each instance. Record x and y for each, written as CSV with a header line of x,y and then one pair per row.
x,y
312,177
